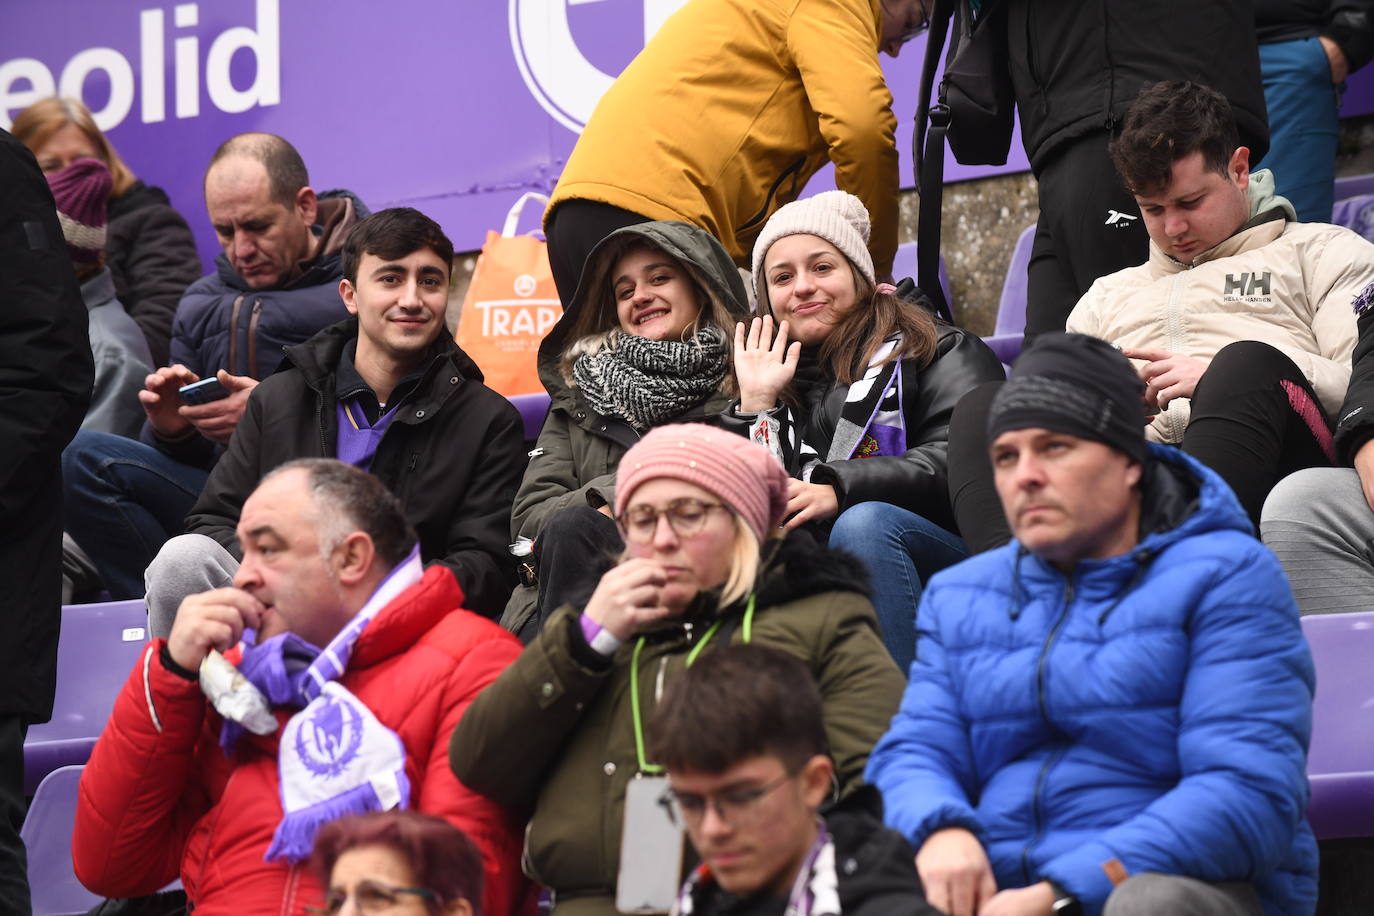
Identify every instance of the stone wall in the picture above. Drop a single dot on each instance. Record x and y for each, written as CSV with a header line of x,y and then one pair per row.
x,y
980,223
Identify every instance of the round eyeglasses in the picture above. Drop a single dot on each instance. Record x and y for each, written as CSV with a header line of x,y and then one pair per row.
x,y
737,807
686,516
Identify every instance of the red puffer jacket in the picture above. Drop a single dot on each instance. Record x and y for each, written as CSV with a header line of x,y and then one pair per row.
x,y
159,797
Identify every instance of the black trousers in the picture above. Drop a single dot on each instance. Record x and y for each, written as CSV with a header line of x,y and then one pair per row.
x,y
977,507
574,549
1089,227
1254,420
14,878
573,229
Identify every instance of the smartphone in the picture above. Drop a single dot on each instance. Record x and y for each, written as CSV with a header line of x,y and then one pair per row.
x,y
650,850
203,392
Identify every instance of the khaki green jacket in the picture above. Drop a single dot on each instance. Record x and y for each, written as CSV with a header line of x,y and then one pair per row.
x,y
575,460
555,734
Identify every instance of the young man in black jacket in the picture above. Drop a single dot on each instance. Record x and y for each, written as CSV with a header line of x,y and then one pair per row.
x,y
742,740
386,390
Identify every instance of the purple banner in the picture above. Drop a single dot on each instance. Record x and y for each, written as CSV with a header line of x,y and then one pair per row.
x,y
452,107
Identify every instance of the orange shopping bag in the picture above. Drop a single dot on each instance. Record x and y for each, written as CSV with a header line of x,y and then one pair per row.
x,y
510,305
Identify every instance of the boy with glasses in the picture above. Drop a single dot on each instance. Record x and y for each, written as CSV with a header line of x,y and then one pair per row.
x,y
741,736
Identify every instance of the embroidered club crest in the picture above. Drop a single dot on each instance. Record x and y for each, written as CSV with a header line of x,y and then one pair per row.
x,y
329,741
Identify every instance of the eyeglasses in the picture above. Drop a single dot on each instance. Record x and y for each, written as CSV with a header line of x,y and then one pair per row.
x,y
370,897
685,516
737,807
914,26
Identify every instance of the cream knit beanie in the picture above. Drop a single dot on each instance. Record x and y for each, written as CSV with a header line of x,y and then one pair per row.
x,y
836,216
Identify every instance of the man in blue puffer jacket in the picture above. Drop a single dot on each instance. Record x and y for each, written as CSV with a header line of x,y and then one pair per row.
x,y
1117,703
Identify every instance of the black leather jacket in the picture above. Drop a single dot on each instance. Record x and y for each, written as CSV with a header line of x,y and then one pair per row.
x,y
916,480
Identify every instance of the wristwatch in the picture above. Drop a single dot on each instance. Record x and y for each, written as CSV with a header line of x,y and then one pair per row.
x,y
1065,904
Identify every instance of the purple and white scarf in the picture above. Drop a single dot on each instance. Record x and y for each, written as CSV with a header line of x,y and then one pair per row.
x,y
334,757
815,890
871,422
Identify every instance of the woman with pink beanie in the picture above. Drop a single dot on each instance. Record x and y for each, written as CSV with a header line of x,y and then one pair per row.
x,y
561,731
853,394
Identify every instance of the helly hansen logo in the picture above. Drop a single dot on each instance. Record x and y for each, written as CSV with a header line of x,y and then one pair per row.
x,y
1247,287
1247,284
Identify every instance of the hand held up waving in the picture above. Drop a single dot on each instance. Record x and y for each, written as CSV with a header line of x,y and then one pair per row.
x,y
764,363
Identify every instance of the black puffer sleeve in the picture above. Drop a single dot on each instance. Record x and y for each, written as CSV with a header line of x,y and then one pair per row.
x,y
1356,424
1351,26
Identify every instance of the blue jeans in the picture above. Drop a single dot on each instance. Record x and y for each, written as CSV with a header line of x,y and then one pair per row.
x,y
902,551
123,500
1304,125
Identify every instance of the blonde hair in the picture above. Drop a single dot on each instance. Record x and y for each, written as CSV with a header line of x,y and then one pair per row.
x,y
745,557
35,125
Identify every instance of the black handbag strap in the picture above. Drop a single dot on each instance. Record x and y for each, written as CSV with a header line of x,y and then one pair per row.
x,y
928,150
928,221
940,14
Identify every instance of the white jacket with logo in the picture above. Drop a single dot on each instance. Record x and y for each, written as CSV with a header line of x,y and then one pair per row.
x,y
1288,284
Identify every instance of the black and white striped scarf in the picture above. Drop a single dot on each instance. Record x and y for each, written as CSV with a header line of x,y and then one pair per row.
x,y
645,382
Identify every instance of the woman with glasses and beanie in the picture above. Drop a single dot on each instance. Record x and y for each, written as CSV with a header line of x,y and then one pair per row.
x,y
853,394
562,730
395,863
643,342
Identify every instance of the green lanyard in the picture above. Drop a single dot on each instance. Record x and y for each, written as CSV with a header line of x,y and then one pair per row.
x,y
644,765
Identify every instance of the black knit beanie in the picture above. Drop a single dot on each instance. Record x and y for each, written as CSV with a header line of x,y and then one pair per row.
x,y
1074,384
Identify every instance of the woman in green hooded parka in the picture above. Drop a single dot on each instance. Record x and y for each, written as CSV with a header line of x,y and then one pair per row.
x,y
644,342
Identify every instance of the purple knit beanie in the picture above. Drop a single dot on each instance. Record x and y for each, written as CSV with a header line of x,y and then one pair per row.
x,y
81,192
743,474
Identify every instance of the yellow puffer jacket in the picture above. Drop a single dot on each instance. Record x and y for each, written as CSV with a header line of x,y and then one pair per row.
x,y
1277,281
732,107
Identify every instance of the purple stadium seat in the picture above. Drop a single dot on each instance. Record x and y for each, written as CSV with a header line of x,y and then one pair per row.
x,y
1356,214
1011,309
98,648
1340,764
47,832
904,265
1354,186
533,408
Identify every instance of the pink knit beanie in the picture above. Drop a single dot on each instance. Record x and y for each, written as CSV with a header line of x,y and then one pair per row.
x,y
743,474
81,192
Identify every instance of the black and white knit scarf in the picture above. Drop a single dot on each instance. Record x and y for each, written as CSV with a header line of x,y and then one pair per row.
x,y
645,382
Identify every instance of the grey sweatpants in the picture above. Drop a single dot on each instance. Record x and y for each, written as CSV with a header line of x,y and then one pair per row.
x,y
188,564
1151,894
1318,523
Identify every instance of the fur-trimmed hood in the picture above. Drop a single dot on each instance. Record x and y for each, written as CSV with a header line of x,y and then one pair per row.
x,y
797,567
